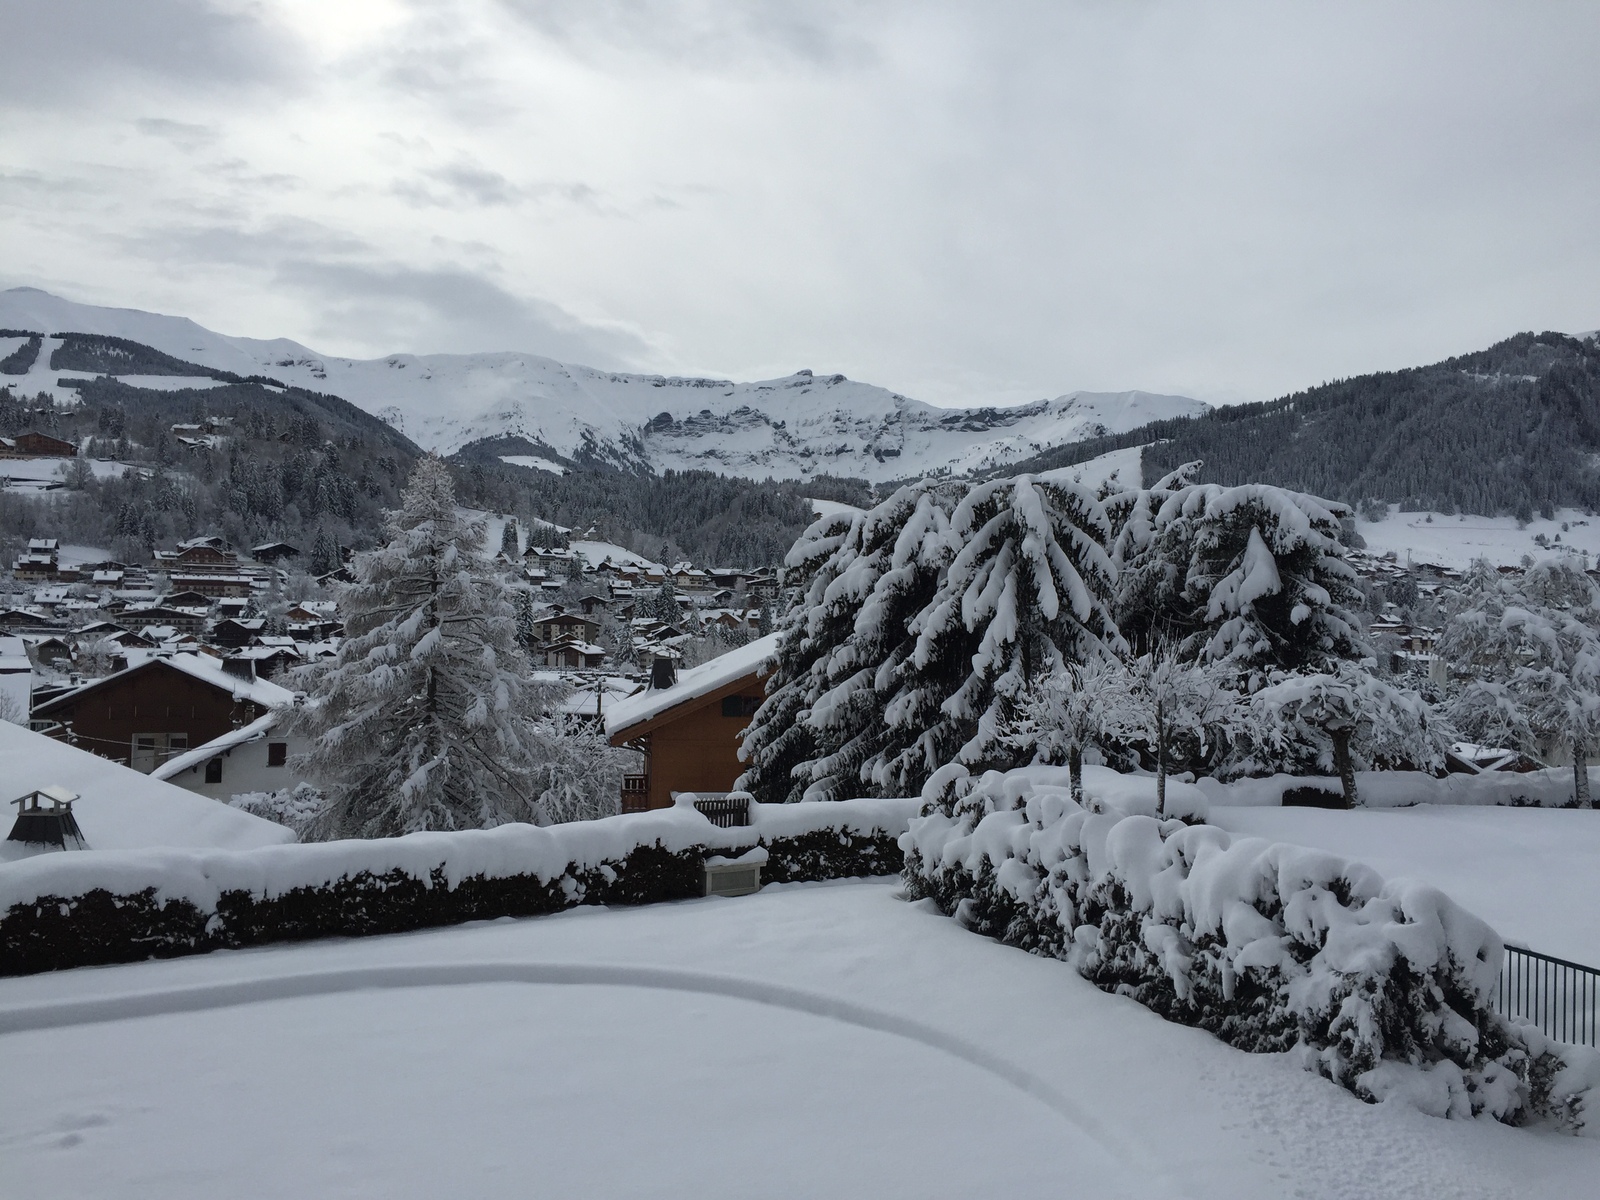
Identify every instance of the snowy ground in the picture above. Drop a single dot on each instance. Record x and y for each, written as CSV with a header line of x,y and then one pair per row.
x,y
832,508
814,1040
1454,541
31,473
1529,872
1123,466
533,462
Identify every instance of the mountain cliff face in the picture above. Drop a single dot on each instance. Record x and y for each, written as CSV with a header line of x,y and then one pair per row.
x,y
791,428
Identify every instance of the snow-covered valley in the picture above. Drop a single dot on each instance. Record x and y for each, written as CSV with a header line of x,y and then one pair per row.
x,y
795,427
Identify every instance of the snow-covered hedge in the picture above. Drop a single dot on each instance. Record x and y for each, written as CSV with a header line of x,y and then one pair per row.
x,y
81,908
1382,987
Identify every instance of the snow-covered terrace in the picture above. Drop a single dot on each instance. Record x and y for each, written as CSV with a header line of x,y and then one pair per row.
x,y
809,1041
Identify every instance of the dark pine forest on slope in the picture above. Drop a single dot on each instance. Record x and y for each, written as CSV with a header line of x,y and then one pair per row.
x,y
1514,429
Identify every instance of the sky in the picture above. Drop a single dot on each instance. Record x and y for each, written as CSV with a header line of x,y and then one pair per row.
x,y
966,202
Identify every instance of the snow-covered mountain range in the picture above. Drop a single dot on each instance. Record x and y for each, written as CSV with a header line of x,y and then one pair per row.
x,y
789,428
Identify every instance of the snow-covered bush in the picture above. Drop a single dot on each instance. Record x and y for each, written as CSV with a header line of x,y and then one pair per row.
x,y
293,807
1339,722
1383,988
1530,656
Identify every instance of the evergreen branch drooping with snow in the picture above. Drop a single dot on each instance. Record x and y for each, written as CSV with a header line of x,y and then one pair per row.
x,y
426,718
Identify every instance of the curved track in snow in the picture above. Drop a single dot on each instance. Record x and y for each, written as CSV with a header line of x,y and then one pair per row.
x,y
321,983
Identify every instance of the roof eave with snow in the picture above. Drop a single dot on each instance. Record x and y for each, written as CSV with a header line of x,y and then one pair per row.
x,y
692,685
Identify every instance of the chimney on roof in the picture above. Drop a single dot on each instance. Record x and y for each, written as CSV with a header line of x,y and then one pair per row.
x,y
240,668
663,672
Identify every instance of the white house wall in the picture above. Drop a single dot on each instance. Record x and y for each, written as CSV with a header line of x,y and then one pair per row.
x,y
244,769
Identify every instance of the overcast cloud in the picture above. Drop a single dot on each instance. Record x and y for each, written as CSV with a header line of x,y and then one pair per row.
x,y
966,202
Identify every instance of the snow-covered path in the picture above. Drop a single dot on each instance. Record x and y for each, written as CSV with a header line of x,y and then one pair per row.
x,y
815,1040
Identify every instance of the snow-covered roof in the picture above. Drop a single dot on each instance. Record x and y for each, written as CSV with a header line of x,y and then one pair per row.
x,y
122,809
614,689
202,667
692,684
255,731
574,644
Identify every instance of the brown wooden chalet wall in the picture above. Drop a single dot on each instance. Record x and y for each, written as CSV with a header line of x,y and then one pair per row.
x,y
154,699
695,747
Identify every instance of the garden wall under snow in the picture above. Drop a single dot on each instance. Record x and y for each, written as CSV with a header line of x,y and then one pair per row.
x,y
1382,987
82,908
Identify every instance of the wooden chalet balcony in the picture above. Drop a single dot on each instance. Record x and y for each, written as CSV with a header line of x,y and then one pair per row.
x,y
635,793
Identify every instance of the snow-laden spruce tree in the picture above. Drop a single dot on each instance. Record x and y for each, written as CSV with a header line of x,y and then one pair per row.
x,y
425,719
900,550
1152,557
779,739
1027,593
1265,585
510,540
1529,656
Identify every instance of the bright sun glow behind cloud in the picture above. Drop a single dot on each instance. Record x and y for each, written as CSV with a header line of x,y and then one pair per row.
x,y
965,203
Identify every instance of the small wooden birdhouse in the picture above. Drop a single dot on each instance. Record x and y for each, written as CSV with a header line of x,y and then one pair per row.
x,y
45,821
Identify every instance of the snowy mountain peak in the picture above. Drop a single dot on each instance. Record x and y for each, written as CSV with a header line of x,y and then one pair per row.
x,y
793,427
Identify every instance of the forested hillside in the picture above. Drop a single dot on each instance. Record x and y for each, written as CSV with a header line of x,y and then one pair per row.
x,y
1514,429
286,464
711,518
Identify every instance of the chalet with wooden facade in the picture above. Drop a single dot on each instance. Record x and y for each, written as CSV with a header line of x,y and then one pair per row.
x,y
37,445
157,709
689,732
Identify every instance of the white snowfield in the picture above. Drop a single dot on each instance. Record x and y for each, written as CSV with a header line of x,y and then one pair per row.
x,y
809,1041
789,428
119,809
1455,541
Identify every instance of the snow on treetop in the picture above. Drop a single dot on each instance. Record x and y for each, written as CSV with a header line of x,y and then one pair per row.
x,y
692,684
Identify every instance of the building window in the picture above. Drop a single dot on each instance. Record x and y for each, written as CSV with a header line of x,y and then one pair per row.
x,y
277,753
740,706
214,771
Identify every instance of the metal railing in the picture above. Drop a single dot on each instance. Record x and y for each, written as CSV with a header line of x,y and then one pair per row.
x,y
726,812
1557,996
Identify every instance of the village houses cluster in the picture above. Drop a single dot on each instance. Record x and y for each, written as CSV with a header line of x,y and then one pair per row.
x,y
180,666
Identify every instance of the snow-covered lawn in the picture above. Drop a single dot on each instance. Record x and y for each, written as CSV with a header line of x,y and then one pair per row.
x,y
534,463
1454,541
1530,872
813,1040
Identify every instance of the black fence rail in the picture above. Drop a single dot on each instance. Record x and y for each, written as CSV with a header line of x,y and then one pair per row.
x,y
1556,995
725,812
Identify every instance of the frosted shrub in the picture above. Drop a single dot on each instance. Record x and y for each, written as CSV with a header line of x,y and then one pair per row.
x,y
1381,987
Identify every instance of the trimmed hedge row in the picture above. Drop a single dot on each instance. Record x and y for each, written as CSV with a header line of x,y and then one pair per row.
x,y
98,927
1383,988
